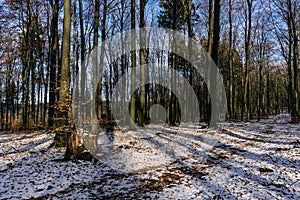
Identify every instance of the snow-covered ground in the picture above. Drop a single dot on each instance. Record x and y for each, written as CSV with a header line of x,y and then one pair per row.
x,y
255,160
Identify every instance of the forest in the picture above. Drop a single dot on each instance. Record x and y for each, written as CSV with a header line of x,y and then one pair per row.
x,y
86,75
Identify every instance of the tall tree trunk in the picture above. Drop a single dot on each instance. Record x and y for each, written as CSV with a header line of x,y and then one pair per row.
x,y
209,51
248,29
103,38
172,115
26,70
290,60
82,58
230,99
190,36
133,63
65,70
53,60
75,57
95,50
142,64
295,62
261,87
215,53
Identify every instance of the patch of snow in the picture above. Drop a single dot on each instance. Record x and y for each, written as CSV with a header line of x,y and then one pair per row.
x,y
255,160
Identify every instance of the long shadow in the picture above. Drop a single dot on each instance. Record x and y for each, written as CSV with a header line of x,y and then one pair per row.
x,y
242,173
229,133
188,147
28,147
19,161
190,171
21,138
260,180
190,136
257,157
231,149
285,130
187,169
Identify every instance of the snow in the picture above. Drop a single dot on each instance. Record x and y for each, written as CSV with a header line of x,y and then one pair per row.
x,y
255,160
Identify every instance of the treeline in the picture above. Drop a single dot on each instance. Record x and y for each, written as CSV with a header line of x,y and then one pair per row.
x,y
44,45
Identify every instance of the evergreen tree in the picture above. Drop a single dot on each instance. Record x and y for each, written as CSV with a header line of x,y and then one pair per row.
x,y
176,15
185,10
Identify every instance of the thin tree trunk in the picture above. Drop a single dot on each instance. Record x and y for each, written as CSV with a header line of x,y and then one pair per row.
x,y
103,37
33,82
248,29
172,113
95,68
75,58
230,99
82,57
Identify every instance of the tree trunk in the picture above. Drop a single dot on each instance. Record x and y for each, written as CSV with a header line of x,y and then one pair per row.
x,y
72,139
215,53
142,65
53,61
82,59
296,117
230,99
96,66
103,38
65,70
133,61
248,29
209,51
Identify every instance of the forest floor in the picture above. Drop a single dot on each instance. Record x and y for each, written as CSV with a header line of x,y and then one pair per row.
x,y
255,160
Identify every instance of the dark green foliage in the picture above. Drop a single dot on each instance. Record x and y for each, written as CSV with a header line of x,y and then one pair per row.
x,y
184,9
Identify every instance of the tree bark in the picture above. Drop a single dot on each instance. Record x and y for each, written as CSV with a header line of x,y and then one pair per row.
x,y
215,53
142,65
133,61
53,60
248,30
65,70
230,99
